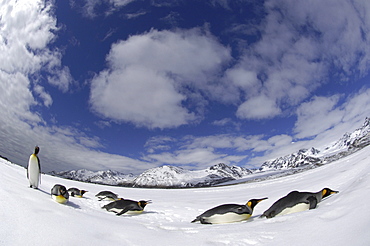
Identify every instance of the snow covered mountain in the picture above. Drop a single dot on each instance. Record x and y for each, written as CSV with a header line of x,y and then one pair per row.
x,y
170,176
346,145
301,158
100,177
176,177
164,176
355,140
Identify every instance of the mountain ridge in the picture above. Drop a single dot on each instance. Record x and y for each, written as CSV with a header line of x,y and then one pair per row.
x,y
167,176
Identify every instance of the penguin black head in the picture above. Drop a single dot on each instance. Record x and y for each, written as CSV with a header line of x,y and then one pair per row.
x,y
37,149
83,192
327,192
143,203
253,202
62,190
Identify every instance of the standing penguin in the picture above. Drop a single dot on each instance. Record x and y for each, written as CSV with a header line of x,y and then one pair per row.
x,y
297,201
59,194
228,213
34,169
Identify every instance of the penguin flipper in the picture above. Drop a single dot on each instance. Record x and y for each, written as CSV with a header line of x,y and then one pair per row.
x,y
38,162
123,211
268,215
203,221
313,202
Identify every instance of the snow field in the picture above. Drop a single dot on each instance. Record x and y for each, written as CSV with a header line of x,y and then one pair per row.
x,y
31,217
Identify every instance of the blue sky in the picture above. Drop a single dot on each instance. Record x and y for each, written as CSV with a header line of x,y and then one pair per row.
x,y
130,85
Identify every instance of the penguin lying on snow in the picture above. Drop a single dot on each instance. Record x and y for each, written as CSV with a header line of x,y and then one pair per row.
x,y
228,213
297,201
125,206
59,193
76,192
107,195
34,169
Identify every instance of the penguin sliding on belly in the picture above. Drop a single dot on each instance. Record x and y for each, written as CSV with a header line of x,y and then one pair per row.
x,y
125,206
228,213
297,201
59,194
107,196
34,169
76,192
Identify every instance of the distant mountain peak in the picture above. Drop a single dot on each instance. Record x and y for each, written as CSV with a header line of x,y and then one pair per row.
x,y
176,177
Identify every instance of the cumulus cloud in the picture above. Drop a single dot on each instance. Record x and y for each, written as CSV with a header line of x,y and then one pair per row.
x,y
317,116
164,79
26,30
300,44
149,75
259,107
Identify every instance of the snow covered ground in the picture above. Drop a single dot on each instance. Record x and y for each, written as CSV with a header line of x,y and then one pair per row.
x,y
31,217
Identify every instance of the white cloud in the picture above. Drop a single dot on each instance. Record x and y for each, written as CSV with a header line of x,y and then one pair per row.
x,y
139,96
259,107
148,74
26,29
325,114
92,8
301,42
320,122
43,95
317,116
162,143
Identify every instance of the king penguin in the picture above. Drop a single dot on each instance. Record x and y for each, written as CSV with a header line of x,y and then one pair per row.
x,y
34,169
75,192
228,213
107,196
59,194
125,206
297,201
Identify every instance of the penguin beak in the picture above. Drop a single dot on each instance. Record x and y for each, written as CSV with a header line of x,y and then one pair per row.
x,y
149,201
333,192
259,200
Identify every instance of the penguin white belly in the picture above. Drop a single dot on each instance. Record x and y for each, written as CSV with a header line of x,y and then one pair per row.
x,y
33,171
297,208
226,218
104,198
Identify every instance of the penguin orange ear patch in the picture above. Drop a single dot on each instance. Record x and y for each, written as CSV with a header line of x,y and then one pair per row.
x,y
324,191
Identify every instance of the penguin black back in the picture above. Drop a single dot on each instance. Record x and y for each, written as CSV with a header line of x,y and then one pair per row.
x,y
122,206
228,213
297,201
59,193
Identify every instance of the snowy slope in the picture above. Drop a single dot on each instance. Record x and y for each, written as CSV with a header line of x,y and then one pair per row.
x,y
31,217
